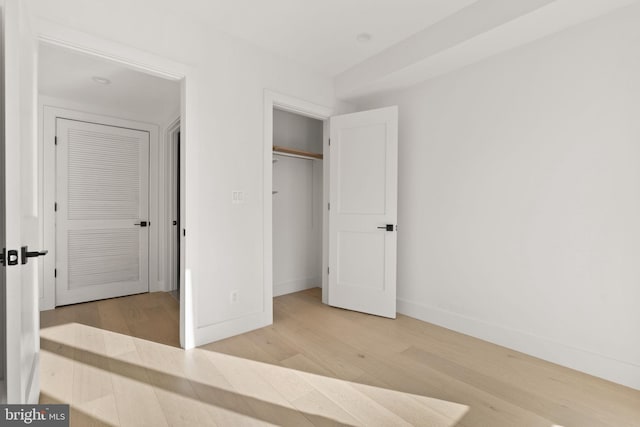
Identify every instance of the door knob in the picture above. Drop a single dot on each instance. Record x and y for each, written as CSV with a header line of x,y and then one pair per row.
x,y
26,254
388,227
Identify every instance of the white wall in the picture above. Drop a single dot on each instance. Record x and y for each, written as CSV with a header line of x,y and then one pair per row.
x,y
297,224
295,131
297,205
223,142
519,198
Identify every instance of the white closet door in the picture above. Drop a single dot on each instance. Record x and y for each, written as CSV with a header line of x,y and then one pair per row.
x,y
363,215
102,193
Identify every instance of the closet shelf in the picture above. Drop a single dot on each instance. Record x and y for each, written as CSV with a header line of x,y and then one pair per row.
x,y
297,153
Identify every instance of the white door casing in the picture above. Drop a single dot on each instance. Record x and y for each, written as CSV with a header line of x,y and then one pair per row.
x,y
21,205
363,200
102,190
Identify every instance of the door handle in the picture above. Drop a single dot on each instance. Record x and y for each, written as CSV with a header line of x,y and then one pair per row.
x,y
388,227
26,254
142,223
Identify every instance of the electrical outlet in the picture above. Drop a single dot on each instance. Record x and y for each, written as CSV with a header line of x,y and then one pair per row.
x,y
234,296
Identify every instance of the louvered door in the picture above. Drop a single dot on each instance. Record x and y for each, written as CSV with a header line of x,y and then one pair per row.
x,y
102,193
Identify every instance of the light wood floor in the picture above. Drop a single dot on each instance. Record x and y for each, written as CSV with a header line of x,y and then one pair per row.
x,y
116,363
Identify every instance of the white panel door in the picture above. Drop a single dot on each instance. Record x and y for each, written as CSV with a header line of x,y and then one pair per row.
x,y
363,211
20,203
102,196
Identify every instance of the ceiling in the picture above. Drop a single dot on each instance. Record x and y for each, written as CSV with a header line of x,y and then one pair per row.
x,y
322,34
67,74
481,30
411,40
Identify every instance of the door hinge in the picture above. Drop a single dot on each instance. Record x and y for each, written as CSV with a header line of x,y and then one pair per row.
x,y
328,206
55,207
329,142
327,270
55,140
55,272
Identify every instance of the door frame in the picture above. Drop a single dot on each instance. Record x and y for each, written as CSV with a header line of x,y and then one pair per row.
x,y
61,36
50,114
304,108
3,313
172,199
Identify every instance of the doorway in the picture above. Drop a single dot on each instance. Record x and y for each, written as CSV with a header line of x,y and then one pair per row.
x,y
297,202
278,104
105,177
359,205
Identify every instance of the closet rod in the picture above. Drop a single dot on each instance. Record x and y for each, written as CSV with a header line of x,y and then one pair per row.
x,y
284,151
296,156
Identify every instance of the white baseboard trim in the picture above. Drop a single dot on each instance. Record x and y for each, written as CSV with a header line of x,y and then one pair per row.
x,y
159,286
296,286
219,331
33,390
621,372
44,304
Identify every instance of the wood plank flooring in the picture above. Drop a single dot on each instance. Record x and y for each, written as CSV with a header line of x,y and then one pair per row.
x,y
117,363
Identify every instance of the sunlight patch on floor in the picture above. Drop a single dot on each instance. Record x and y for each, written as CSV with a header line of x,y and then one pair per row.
x,y
120,379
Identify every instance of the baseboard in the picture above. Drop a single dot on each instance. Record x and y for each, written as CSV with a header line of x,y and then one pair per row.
x,y
44,304
219,331
158,286
295,286
621,372
33,390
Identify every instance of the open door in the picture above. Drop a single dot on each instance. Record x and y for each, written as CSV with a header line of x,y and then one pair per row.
x,y
20,178
363,211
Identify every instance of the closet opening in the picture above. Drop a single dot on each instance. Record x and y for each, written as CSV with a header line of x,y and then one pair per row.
x,y
297,202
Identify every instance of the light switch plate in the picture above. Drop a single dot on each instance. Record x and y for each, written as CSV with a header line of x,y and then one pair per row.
x,y
238,197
